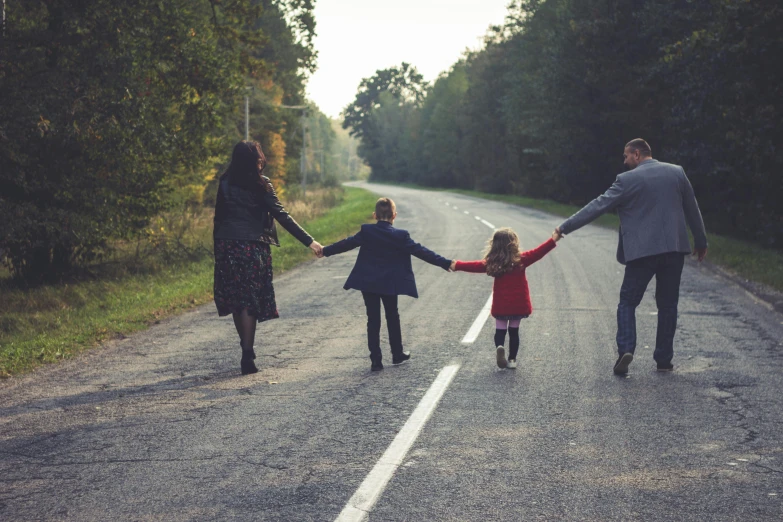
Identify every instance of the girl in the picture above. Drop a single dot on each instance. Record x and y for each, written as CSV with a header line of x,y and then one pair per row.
x,y
510,293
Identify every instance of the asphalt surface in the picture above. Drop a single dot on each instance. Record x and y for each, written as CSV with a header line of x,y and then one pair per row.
x,y
161,426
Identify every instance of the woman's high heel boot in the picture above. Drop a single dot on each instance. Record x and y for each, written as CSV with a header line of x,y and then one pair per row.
x,y
247,364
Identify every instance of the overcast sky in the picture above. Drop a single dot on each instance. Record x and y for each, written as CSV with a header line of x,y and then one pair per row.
x,y
357,37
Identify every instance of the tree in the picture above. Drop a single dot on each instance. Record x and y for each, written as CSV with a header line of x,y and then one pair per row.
x,y
404,83
106,108
439,164
544,108
726,111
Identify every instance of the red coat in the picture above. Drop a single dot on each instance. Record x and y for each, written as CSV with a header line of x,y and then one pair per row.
x,y
510,293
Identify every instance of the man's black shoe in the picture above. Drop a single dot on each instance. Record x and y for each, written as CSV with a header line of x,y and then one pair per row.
x,y
665,367
376,367
402,358
621,366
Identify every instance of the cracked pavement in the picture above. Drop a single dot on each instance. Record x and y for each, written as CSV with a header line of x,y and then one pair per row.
x,y
161,426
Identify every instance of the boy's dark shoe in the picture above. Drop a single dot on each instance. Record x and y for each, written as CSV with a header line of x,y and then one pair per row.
x,y
404,357
376,367
665,367
621,366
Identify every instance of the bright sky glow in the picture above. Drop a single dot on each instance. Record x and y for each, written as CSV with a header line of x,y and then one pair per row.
x,y
357,37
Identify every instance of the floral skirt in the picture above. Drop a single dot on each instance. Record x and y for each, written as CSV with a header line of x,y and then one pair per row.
x,y
243,279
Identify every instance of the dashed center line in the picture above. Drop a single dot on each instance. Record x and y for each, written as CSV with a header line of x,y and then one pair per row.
x,y
358,507
360,504
478,324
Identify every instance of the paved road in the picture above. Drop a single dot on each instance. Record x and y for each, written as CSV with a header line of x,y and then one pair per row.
x,y
160,426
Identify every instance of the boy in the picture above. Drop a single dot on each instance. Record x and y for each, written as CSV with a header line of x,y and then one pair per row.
x,y
382,272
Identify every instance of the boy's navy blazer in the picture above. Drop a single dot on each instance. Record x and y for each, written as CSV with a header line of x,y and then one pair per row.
x,y
384,262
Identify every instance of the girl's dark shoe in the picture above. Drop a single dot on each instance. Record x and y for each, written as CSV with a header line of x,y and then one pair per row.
x,y
247,364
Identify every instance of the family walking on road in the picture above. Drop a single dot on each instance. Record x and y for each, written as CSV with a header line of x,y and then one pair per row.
x,y
655,202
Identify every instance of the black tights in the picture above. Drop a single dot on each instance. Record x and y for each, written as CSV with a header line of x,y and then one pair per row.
x,y
246,328
513,341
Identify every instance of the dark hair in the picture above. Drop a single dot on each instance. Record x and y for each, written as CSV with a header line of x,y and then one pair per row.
x,y
384,209
639,144
247,164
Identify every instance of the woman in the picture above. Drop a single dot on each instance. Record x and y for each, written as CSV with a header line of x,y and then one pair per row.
x,y
245,214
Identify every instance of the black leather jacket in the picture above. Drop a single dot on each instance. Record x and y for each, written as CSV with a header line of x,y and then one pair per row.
x,y
250,215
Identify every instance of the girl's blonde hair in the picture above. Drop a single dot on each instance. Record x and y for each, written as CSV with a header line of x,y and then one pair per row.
x,y
502,253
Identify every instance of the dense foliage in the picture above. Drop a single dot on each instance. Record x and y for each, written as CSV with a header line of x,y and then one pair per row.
x,y
545,107
111,112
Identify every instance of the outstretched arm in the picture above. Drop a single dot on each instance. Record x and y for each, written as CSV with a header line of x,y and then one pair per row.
x,y
477,267
531,256
284,218
600,205
349,243
425,254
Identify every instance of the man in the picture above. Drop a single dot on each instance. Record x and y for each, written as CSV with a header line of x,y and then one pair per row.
x,y
655,201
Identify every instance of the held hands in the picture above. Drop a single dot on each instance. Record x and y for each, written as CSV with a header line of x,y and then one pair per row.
x,y
557,235
453,266
317,249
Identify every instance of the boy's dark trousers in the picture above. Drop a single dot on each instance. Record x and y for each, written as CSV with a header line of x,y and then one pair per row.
x,y
373,303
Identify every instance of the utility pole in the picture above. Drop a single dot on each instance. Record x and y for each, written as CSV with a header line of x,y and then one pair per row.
x,y
322,161
303,158
303,154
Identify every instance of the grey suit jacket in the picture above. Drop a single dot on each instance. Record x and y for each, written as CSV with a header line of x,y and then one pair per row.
x,y
655,201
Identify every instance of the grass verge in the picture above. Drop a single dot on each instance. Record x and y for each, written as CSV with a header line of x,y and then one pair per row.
x,y
742,258
52,323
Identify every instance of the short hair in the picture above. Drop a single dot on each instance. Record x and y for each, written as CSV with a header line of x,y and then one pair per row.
x,y
385,209
639,144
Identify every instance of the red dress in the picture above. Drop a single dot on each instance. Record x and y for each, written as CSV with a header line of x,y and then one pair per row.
x,y
510,292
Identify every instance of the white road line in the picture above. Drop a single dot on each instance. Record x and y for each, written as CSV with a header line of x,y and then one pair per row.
x,y
478,218
490,225
478,324
358,507
466,212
